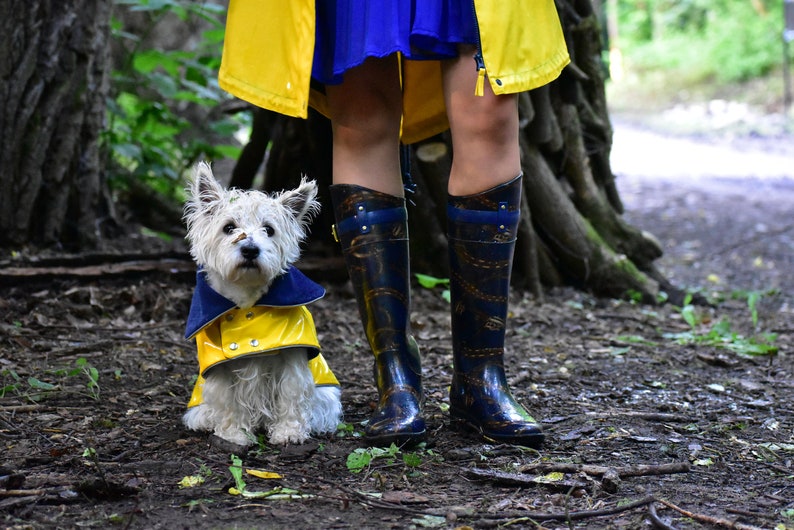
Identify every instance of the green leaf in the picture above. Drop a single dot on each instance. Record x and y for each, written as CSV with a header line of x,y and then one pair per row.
x,y
165,84
236,469
688,314
412,460
228,151
358,460
214,36
40,385
126,150
148,61
752,303
430,282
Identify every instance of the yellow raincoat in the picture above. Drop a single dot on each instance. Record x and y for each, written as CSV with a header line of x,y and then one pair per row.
x,y
268,53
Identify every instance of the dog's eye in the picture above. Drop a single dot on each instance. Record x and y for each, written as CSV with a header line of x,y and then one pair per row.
x,y
269,230
229,228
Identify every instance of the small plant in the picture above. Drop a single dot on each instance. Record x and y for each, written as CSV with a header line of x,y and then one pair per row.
x,y
83,367
362,457
35,390
241,488
13,386
431,282
721,334
90,453
344,430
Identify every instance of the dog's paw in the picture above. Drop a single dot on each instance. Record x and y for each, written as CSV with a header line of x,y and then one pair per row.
x,y
288,433
225,446
234,436
198,418
326,413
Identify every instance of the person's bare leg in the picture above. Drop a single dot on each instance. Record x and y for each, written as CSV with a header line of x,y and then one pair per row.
x,y
484,129
365,116
372,227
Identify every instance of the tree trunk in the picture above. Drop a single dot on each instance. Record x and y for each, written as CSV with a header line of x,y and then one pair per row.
x,y
571,230
53,62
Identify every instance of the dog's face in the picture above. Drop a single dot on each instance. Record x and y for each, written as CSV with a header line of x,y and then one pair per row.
x,y
245,239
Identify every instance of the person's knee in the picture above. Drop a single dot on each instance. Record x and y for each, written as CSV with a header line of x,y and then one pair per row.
x,y
367,106
489,118
369,117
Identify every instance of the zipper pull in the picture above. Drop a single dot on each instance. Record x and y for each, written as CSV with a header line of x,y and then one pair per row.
x,y
479,89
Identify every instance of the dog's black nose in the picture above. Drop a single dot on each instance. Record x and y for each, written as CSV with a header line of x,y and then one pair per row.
x,y
250,252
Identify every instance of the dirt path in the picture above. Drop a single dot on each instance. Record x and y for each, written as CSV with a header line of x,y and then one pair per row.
x,y
724,206
642,153
691,406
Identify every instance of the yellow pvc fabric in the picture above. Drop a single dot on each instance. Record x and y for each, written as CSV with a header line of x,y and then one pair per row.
x,y
259,331
268,53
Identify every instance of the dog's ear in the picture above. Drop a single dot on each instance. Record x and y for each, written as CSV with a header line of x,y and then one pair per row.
x,y
204,188
302,201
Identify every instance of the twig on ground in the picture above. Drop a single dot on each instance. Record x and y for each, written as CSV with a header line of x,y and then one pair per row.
x,y
597,471
21,493
13,409
521,479
650,416
576,515
717,521
656,520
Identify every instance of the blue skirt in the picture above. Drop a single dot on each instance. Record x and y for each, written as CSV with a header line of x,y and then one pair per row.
x,y
349,31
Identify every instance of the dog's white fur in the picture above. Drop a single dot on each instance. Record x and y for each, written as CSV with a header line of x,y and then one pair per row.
x,y
244,240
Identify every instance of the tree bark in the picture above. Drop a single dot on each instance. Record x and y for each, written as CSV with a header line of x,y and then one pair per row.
x,y
54,63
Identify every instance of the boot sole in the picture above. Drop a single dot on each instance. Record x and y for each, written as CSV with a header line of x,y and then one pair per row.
x,y
400,439
533,441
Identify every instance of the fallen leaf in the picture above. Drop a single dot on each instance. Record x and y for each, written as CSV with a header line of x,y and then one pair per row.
x,y
191,481
263,474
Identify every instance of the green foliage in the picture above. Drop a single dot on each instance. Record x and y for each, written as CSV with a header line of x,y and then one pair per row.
x,y
362,457
160,113
241,488
703,40
236,469
37,389
431,282
84,368
721,334
347,430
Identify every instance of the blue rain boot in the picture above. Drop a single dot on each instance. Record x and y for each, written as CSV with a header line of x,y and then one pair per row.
x,y
482,233
372,228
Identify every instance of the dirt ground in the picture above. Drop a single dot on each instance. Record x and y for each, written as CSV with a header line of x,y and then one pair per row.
x,y
646,408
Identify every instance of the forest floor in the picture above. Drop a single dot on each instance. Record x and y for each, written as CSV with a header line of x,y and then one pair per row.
x,y
684,416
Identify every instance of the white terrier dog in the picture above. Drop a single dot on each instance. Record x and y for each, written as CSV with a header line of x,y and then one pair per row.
x,y
259,357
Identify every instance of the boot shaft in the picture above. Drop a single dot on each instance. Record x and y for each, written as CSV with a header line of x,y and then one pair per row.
x,y
372,229
482,233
